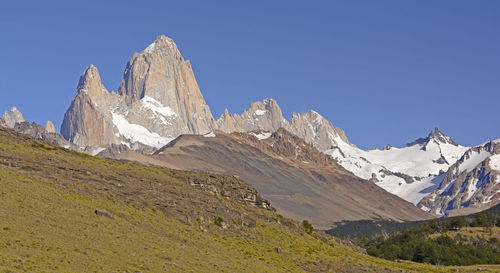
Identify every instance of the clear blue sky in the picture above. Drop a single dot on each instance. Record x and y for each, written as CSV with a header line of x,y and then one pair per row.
x,y
384,71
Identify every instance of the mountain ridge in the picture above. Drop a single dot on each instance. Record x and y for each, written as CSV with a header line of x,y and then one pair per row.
x,y
159,100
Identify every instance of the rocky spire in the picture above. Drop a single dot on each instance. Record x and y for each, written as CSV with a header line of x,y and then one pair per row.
x,y
434,136
158,100
317,130
49,127
10,119
161,73
87,121
265,115
438,136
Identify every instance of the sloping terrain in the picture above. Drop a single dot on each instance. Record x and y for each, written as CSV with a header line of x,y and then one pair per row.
x,y
48,196
301,182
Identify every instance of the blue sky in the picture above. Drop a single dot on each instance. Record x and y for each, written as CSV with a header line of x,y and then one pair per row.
x,y
384,71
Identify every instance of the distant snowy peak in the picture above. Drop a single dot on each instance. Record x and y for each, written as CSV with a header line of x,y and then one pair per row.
x,y
409,172
434,136
473,181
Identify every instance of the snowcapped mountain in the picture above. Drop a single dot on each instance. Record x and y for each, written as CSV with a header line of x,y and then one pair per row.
x,y
410,172
158,100
473,181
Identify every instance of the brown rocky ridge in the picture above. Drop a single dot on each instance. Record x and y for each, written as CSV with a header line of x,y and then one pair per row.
x,y
299,181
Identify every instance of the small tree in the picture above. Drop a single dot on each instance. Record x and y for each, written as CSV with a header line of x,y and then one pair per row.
x,y
218,221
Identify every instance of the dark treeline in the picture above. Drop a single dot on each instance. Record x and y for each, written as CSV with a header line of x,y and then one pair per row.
x,y
416,244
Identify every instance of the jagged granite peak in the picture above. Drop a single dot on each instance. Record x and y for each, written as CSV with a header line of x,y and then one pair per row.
x,y
87,122
160,73
49,127
265,115
9,119
317,130
158,100
471,182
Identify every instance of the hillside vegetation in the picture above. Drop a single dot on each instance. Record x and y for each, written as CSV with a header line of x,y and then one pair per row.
x,y
162,221
452,241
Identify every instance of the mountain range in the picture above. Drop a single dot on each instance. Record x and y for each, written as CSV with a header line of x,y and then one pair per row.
x,y
306,167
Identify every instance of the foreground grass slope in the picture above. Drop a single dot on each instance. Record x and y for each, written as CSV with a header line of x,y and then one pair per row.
x,y
163,221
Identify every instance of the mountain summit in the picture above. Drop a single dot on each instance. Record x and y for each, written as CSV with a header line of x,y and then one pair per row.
x,y
435,136
158,100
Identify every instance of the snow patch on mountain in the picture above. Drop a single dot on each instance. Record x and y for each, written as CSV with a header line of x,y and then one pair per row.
x,y
262,135
137,133
495,163
157,107
473,160
211,134
259,112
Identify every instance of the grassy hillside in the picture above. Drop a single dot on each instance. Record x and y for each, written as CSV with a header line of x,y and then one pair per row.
x,y
164,220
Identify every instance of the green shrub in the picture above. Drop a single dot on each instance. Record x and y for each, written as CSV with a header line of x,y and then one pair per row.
x,y
218,221
308,228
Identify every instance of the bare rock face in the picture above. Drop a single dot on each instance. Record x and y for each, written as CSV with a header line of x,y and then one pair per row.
x,y
88,120
160,77
267,116
9,120
158,100
49,127
317,131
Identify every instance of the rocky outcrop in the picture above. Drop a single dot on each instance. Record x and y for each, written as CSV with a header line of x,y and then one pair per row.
x,y
9,120
158,100
267,116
